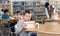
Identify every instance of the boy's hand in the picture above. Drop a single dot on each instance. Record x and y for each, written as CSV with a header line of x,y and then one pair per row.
x,y
36,24
24,25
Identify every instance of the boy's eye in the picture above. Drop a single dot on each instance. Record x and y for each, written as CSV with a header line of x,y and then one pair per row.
x,y
27,16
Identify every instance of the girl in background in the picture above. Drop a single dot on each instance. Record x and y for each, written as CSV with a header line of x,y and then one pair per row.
x,y
54,14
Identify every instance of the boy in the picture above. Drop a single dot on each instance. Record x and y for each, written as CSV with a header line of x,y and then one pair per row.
x,y
8,22
26,18
6,14
18,16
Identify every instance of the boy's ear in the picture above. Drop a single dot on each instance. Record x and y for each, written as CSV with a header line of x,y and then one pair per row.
x,y
30,15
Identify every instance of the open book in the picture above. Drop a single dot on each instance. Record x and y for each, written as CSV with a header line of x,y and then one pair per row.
x,y
30,24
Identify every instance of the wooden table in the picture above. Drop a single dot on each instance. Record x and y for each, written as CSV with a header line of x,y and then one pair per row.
x,y
32,30
49,29
53,20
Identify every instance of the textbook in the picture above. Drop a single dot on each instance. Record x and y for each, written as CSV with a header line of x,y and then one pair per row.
x,y
30,24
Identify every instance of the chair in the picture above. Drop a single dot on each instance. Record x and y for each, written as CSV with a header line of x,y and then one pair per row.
x,y
42,18
7,29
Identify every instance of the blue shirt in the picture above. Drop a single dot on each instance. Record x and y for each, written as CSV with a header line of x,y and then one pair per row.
x,y
5,16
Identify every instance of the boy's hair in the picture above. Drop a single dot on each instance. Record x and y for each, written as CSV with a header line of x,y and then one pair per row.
x,y
6,10
2,10
17,11
46,4
26,11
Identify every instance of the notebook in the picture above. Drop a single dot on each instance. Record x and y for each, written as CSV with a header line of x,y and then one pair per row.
x,y
30,24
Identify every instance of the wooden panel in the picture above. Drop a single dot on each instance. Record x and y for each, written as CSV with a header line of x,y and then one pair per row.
x,y
45,34
49,27
32,30
41,27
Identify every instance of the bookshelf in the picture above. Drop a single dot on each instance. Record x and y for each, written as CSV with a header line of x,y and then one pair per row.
x,y
18,6
24,5
31,6
7,4
0,3
35,7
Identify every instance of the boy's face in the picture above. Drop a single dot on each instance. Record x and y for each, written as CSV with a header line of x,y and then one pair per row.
x,y
8,13
27,17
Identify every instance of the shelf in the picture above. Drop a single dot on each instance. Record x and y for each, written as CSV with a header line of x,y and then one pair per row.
x,y
17,4
34,7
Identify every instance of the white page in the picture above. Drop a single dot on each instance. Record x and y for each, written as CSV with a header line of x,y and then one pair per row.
x,y
30,26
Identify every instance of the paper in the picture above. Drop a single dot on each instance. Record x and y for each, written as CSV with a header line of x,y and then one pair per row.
x,y
55,17
30,26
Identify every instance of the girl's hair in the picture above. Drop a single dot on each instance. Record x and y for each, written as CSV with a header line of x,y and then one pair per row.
x,y
46,4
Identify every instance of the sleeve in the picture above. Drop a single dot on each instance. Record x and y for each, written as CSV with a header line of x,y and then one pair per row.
x,y
8,16
18,27
5,16
21,17
46,13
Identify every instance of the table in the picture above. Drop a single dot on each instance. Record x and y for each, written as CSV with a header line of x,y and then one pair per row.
x,y
53,20
49,29
32,30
